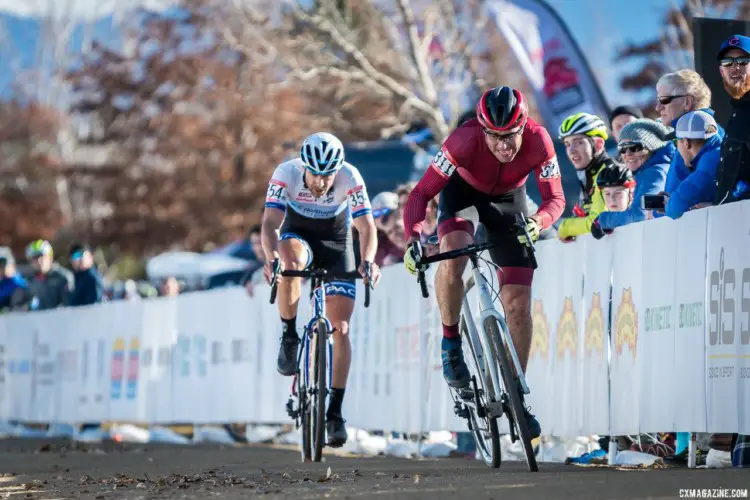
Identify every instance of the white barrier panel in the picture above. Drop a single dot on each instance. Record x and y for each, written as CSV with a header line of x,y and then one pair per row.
x,y
594,348
677,358
728,336
627,328
689,351
655,350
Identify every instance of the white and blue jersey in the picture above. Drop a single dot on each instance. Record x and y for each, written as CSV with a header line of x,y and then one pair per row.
x,y
346,200
322,224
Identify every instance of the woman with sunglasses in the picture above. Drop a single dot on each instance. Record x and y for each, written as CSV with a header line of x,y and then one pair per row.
x,y
646,151
677,94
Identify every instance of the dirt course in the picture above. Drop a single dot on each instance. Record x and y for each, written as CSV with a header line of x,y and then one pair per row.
x,y
48,469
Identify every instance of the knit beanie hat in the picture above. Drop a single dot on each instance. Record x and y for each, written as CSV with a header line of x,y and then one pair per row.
x,y
625,110
651,134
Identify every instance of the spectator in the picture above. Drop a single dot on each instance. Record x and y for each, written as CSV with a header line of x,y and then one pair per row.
x,y
621,116
733,177
699,145
88,288
679,93
584,136
170,287
51,285
12,284
617,185
647,153
384,211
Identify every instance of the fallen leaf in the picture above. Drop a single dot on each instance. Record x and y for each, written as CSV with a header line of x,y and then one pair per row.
x,y
140,485
416,478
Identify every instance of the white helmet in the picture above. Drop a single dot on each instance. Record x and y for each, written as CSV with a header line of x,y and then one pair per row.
x,y
322,153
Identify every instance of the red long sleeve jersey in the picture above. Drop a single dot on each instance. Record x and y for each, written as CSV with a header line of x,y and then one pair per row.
x,y
465,153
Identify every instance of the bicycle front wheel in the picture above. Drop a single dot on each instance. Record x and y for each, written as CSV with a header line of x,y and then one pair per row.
x,y
482,426
510,383
319,396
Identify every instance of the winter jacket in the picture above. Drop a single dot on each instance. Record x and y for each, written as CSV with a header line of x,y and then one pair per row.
x,y
649,179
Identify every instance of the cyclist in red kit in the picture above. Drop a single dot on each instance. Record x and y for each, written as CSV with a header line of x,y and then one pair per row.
x,y
480,173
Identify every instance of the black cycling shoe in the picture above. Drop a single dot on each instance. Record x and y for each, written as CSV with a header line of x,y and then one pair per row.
x,y
287,362
336,432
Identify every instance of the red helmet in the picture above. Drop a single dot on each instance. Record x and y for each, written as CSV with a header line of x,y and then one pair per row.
x,y
501,109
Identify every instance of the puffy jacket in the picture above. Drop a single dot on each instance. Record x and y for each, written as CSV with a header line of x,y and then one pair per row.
x,y
649,179
88,289
52,289
576,226
678,171
11,291
697,184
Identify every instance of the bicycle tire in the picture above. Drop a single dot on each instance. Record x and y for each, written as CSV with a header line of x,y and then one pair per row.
x,y
509,381
490,454
321,372
305,421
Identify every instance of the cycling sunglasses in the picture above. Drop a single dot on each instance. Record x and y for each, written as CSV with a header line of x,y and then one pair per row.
x,y
727,61
630,147
666,99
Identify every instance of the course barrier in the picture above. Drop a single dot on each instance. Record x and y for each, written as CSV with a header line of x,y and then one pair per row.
x,y
672,353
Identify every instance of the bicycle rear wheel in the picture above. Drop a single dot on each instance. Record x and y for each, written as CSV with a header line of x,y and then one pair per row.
x,y
511,384
321,390
482,426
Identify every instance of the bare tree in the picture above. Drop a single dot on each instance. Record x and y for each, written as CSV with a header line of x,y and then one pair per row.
x,y
385,63
187,131
672,49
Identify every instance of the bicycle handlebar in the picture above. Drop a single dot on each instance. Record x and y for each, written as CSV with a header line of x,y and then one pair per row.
x,y
474,249
319,274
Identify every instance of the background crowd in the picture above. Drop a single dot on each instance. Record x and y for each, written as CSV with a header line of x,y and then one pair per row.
x,y
682,161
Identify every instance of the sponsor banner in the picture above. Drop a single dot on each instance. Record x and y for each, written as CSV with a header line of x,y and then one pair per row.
x,y
123,349
680,298
546,308
593,349
568,336
627,328
728,318
657,319
554,65
689,410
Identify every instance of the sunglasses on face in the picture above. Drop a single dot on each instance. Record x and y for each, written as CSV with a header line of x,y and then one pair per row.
x,y
666,99
728,61
507,138
630,148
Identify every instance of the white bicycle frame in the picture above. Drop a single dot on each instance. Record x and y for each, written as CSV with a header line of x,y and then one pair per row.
x,y
481,342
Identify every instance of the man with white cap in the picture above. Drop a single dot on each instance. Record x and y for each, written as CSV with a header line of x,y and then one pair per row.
x,y
699,144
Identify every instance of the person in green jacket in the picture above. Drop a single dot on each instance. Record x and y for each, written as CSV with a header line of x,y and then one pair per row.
x,y
584,136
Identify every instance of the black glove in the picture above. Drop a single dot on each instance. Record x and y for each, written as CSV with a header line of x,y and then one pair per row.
x,y
597,231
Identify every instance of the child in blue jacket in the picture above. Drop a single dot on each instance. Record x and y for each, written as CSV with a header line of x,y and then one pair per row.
x,y
699,145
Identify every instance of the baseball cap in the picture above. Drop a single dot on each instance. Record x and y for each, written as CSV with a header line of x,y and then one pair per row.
x,y
696,125
384,203
734,42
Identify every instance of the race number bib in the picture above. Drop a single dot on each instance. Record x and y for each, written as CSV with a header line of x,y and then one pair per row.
x,y
551,169
358,201
444,164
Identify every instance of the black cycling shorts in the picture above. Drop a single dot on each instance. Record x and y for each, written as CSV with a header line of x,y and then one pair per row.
x,y
332,251
463,208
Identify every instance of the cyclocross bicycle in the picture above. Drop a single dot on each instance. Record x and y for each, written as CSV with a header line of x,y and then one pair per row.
x,y
492,391
307,403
